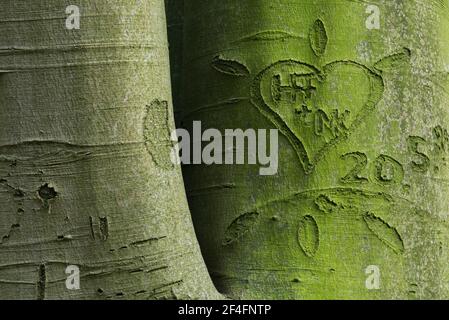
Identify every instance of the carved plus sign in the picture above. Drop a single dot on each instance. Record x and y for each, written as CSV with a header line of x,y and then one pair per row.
x,y
303,113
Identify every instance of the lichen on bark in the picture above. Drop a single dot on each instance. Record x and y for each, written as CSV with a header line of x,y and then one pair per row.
x,y
362,175
78,183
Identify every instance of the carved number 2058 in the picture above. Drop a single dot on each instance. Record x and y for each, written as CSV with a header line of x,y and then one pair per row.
x,y
384,170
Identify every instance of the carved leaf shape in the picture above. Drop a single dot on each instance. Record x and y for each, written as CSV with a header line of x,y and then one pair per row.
x,y
308,236
230,67
326,204
384,232
269,35
240,226
318,38
394,61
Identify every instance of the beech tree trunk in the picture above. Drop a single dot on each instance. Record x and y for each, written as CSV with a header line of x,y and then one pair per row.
x,y
85,174
359,92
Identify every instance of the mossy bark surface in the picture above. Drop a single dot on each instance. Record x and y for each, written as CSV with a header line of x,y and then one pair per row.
x,y
85,173
363,171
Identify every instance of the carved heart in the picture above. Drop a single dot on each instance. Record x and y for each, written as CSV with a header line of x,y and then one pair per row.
x,y
316,109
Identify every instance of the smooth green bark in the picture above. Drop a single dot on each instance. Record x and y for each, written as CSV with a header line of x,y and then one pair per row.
x,y
366,186
85,173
